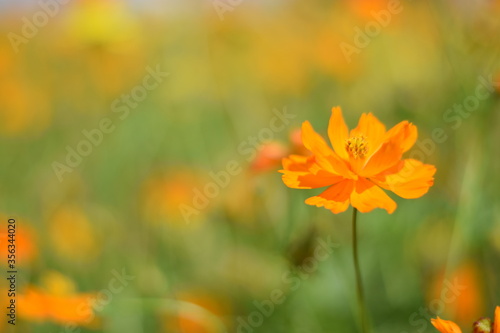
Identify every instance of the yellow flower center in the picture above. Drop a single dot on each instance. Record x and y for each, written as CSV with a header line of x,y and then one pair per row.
x,y
357,146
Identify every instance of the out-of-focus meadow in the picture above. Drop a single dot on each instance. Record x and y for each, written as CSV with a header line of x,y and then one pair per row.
x,y
140,148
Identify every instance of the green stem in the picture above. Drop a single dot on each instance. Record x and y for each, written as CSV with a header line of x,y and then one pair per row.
x,y
359,285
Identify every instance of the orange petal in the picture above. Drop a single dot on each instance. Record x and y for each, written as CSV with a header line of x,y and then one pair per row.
x,y
298,163
32,305
334,206
304,180
325,156
269,156
338,132
412,181
313,141
405,133
445,326
335,198
372,129
496,323
76,309
302,172
367,196
387,156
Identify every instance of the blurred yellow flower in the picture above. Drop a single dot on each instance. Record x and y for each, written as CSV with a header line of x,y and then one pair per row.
x,y
72,235
281,58
23,108
24,105
330,58
103,39
108,24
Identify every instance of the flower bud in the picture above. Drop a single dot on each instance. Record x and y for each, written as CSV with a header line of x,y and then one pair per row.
x,y
483,325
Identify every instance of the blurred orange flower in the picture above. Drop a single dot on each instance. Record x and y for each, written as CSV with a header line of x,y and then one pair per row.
x,y
57,302
481,326
164,193
296,141
366,8
269,156
467,301
39,306
23,108
360,164
24,242
329,57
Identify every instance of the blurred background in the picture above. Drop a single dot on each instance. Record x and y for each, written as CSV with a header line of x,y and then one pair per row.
x,y
141,142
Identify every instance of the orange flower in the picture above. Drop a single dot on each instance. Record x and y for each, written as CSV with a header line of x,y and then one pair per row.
x,y
365,9
361,163
57,301
496,324
40,306
24,240
296,142
468,302
482,325
269,156
165,192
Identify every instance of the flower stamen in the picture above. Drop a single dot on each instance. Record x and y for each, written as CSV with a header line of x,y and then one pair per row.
x,y
357,146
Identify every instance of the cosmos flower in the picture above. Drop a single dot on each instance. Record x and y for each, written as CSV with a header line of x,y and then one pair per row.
x,y
362,163
57,301
483,325
269,156
24,240
468,298
271,153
